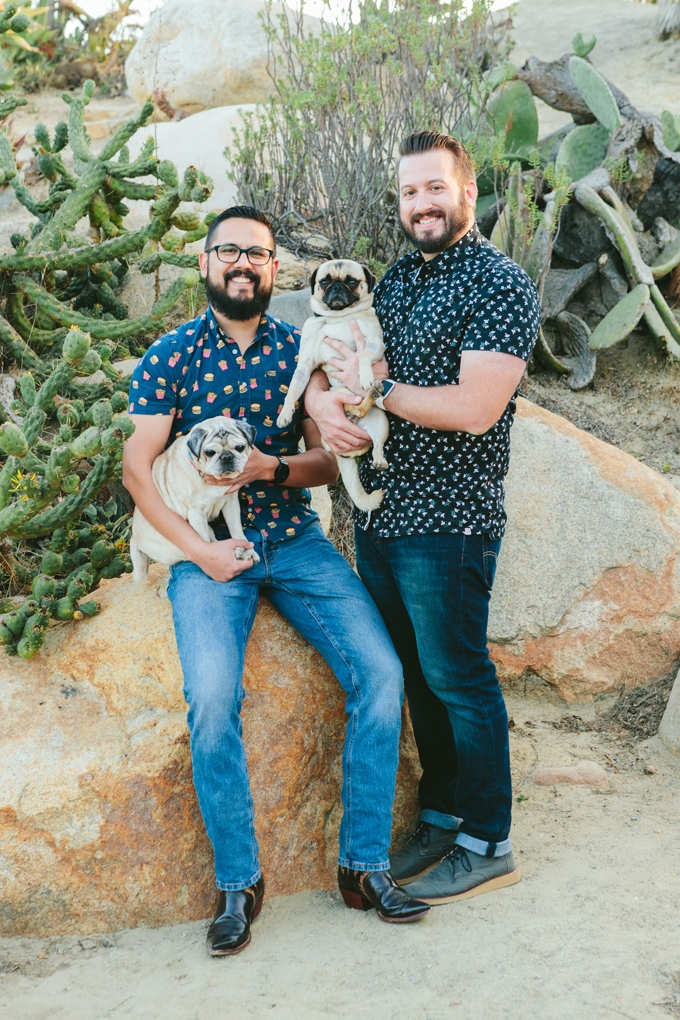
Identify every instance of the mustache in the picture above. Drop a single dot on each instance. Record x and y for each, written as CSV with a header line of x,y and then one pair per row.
x,y
417,217
248,273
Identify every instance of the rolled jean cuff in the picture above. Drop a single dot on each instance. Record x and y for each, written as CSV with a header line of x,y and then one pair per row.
x,y
439,819
347,862
238,886
481,847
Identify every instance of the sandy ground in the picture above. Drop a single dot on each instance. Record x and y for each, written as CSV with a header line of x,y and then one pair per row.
x,y
591,931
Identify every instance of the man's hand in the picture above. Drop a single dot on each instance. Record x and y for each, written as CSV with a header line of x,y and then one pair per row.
x,y
326,408
346,367
260,467
218,561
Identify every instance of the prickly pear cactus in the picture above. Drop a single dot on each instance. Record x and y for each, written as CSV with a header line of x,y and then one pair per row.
x,y
596,93
57,278
59,456
583,149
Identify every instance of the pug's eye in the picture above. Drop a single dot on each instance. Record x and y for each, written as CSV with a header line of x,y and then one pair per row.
x,y
210,453
240,448
325,283
351,282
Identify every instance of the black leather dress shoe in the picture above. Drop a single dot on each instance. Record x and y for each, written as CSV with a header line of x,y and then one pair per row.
x,y
230,931
365,889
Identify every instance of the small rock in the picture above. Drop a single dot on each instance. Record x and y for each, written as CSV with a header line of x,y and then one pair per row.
x,y
663,232
586,773
663,197
581,236
613,285
669,730
561,285
650,770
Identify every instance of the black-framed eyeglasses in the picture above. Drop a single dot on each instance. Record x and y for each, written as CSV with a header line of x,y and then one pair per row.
x,y
232,253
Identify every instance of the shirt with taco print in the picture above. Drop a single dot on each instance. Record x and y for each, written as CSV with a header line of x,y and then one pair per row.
x,y
196,372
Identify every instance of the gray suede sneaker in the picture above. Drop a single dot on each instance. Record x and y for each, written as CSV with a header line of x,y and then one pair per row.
x,y
421,852
462,874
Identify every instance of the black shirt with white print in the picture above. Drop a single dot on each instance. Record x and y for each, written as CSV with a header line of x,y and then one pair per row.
x,y
471,297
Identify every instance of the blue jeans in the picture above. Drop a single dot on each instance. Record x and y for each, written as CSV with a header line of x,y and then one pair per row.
x,y
317,591
433,594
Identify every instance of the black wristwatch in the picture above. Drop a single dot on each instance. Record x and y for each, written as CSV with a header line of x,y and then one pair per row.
x,y
282,471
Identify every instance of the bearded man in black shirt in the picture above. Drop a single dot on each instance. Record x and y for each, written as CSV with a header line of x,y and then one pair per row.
x,y
460,321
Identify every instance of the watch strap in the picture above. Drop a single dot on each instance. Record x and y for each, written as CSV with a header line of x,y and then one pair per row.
x,y
282,471
387,387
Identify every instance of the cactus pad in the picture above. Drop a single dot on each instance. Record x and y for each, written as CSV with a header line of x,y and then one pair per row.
x,y
595,92
582,150
512,110
622,319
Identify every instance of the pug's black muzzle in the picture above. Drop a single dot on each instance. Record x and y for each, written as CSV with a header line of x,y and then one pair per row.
x,y
227,463
339,296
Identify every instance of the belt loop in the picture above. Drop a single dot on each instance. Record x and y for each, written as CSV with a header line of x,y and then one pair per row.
x,y
491,850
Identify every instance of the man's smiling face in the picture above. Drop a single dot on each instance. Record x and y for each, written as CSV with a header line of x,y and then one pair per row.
x,y
436,206
239,290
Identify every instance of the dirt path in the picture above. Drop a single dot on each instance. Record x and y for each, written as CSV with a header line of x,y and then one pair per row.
x,y
590,932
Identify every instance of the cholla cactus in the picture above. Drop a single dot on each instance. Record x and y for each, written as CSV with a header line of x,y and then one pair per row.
x,y
57,278
46,485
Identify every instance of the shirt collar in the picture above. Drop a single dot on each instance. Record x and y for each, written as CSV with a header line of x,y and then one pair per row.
x,y
420,269
213,326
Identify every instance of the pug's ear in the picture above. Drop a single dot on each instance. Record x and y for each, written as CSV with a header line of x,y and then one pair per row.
x,y
249,431
370,278
312,280
196,440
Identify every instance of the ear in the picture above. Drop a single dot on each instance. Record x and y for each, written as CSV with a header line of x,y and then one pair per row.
x,y
249,431
196,440
370,278
312,280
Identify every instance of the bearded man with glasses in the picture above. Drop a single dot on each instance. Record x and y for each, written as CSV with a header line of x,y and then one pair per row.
x,y
237,361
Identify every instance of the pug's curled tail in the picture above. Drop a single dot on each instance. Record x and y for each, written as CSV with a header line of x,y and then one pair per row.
x,y
349,469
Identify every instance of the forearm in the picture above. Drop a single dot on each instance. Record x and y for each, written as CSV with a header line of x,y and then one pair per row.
x,y
446,408
314,467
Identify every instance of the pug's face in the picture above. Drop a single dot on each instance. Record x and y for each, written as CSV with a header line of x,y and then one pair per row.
x,y
220,446
340,284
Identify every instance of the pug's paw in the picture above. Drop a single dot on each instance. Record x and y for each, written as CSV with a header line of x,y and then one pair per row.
x,y
283,419
246,554
380,464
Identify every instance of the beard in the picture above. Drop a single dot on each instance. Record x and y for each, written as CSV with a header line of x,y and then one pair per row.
x,y
451,224
240,309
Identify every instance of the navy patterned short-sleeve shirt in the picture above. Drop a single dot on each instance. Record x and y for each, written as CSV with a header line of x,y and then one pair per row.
x,y
196,372
469,298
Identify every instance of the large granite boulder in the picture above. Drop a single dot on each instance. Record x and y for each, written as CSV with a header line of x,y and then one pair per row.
x,y
587,593
203,53
197,141
99,825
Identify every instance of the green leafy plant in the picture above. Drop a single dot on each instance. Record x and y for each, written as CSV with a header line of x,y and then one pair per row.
x,y
319,157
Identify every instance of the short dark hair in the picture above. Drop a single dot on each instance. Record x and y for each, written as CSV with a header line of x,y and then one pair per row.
x,y
426,141
239,212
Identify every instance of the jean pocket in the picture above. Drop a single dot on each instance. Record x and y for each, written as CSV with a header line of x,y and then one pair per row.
x,y
490,551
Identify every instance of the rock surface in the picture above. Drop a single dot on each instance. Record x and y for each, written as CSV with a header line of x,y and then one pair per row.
x,y
586,773
669,729
198,141
587,592
292,307
203,53
99,825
